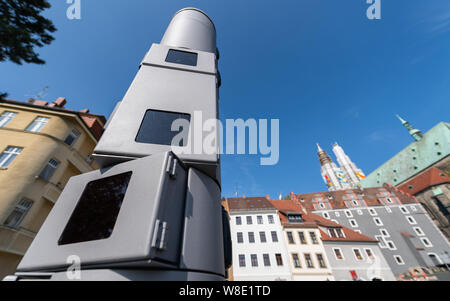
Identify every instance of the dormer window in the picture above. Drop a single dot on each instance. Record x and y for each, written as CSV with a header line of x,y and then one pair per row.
x,y
295,218
336,232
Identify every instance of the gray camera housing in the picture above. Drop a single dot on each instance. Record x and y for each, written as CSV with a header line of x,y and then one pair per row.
x,y
169,215
178,76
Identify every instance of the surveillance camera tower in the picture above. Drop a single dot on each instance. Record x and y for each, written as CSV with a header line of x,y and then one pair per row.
x,y
152,212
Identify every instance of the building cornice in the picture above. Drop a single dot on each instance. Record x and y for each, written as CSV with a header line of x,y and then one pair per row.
x,y
56,111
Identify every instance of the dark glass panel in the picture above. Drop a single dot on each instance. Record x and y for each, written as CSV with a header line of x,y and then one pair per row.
x,y
96,213
156,128
182,57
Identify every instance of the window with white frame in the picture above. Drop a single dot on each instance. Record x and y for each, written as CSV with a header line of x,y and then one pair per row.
x,y
308,260
404,209
259,219
313,238
8,155
348,213
262,236
332,232
388,209
360,212
372,212
377,221
251,237
389,200
6,117
72,137
358,254
435,259
274,236
390,244
295,218
353,223
290,237
270,218
37,124
279,259
419,231
238,220
301,236
426,242
336,232
266,260
254,260
326,215
240,237
18,214
355,202
381,241
321,261
385,233
322,206
399,260
411,220
249,220
369,253
241,260
49,169
338,253
296,261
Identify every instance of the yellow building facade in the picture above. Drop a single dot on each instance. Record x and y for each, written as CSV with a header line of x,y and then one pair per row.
x,y
41,146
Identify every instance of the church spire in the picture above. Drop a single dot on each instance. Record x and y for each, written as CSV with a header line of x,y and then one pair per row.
x,y
323,156
415,133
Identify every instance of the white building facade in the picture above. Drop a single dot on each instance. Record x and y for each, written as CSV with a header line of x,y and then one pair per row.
x,y
259,252
351,260
307,256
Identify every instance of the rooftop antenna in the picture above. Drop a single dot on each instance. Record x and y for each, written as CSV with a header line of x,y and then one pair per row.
x,y
236,186
39,95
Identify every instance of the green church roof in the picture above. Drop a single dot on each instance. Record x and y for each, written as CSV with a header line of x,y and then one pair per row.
x,y
433,146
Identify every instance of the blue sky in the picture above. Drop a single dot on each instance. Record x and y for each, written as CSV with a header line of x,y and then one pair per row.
x,y
320,66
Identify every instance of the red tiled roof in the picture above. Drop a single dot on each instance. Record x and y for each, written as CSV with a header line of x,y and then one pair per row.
x,y
310,219
249,203
350,235
336,199
93,122
426,179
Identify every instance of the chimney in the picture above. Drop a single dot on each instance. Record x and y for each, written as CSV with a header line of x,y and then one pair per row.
x,y
60,102
243,196
40,102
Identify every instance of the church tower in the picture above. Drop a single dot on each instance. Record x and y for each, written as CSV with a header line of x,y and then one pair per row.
x,y
351,171
332,175
415,133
